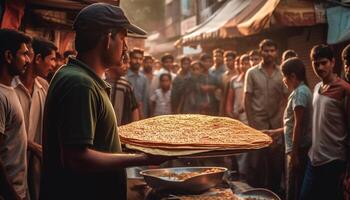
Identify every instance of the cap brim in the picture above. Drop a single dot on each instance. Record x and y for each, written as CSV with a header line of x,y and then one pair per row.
x,y
135,30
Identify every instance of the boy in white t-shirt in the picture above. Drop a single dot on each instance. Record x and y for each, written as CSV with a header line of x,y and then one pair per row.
x,y
160,100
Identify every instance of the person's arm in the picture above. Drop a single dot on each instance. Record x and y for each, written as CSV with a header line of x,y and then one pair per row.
x,y
248,107
229,103
153,104
145,98
247,97
141,114
6,188
85,160
35,148
135,115
274,133
297,131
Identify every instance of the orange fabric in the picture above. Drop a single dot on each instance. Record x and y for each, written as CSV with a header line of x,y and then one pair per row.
x,y
14,11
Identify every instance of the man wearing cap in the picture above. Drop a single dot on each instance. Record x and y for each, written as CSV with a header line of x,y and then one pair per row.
x,y
82,156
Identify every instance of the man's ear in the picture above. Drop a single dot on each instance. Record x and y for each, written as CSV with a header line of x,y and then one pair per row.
x,y
38,58
333,62
8,56
107,40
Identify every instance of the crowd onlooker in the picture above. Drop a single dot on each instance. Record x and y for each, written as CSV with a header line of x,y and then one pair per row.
x,y
264,100
160,100
138,81
14,59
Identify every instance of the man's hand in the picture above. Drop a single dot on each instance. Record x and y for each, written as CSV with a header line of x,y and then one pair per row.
x,y
274,134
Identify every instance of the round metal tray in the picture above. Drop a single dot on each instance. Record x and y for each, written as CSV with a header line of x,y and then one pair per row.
x,y
259,194
155,178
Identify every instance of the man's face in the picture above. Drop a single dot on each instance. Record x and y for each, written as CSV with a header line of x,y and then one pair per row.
x,y
196,70
254,60
185,65
43,65
346,69
136,61
207,63
218,58
112,55
148,65
269,54
168,64
323,67
20,61
244,65
165,83
230,62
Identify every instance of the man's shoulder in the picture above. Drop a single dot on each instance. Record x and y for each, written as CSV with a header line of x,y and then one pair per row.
x,y
43,82
72,76
254,69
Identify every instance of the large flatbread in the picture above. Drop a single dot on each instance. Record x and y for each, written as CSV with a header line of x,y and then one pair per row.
x,y
165,152
192,132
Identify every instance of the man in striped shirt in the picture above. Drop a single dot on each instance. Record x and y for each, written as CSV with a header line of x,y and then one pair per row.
x,y
122,95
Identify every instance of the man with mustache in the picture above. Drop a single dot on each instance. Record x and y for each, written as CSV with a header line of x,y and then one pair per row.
x,y
138,81
265,96
327,155
13,137
31,89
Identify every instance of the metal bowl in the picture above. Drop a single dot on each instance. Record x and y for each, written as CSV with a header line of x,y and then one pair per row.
x,y
259,194
155,178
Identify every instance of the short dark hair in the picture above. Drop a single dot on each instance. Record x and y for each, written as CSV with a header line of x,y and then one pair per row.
x,y
321,51
268,43
148,57
68,53
218,50
183,58
167,56
88,40
244,57
289,54
205,56
135,51
43,47
232,54
254,52
296,66
11,40
346,53
197,62
165,74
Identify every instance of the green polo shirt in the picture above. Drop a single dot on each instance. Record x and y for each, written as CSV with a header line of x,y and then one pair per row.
x,y
78,112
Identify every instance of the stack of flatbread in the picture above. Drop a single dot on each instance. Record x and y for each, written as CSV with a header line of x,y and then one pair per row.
x,y
179,135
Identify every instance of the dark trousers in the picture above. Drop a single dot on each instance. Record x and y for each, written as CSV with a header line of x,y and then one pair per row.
x,y
323,182
264,168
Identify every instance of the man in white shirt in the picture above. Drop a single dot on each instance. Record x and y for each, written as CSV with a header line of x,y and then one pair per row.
x,y
13,137
31,89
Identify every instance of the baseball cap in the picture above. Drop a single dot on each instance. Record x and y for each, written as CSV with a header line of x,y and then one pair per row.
x,y
104,16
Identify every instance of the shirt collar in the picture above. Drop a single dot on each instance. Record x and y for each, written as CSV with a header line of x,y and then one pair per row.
x,y
132,73
103,84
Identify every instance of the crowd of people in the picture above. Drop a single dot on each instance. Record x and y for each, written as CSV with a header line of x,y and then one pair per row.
x,y
72,105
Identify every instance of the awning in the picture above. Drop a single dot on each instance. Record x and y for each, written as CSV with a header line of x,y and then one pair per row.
x,y
66,5
260,20
211,26
236,18
297,13
338,24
